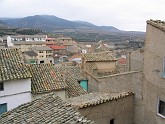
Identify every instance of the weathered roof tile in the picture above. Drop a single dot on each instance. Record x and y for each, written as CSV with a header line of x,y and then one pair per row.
x,y
102,56
11,67
96,98
47,109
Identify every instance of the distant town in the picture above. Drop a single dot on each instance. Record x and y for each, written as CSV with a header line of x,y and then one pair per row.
x,y
57,78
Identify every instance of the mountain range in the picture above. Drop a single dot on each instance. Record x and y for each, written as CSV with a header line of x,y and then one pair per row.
x,y
53,24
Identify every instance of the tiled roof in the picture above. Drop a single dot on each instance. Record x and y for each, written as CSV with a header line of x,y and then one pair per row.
x,y
49,109
97,98
55,47
157,23
11,67
46,78
27,42
102,56
122,61
29,36
42,48
75,71
30,53
71,78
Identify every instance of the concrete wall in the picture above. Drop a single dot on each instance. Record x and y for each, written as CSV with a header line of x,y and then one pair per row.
x,y
154,83
121,111
16,93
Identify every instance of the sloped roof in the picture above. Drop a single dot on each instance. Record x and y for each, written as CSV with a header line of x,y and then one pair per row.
x,y
71,78
30,53
47,109
48,77
29,36
11,67
93,99
42,48
101,56
27,42
55,47
157,23
75,71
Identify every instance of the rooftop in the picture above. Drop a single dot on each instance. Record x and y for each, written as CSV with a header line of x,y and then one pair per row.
x,y
101,56
11,67
42,48
96,98
27,42
157,23
47,109
30,53
45,78
29,36
48,77
55,47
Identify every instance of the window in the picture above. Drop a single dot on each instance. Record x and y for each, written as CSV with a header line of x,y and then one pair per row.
x,y
84,84
163,73
1,86
41,61
112,121
161,108
41,52
3,108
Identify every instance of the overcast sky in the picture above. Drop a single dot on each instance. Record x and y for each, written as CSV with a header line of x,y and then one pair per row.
x,y
122,14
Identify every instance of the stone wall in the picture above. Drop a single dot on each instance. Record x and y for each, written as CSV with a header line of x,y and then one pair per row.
x,y
120,110
128,81
154,82
135,60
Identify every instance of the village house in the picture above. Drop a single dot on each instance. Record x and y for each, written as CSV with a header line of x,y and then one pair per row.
x,y
154,73
70,44
15,80
98,64
65,81
44,54
47,109
27,46
27,38
2,44
30,57
59,53
105,108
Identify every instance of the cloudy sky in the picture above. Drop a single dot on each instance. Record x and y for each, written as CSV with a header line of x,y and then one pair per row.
x,y
122,14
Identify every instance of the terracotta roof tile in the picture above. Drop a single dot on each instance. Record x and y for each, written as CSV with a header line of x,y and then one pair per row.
x,y
55,47
47,109
71,78
46,78
102,56
49,77
11,67
97,98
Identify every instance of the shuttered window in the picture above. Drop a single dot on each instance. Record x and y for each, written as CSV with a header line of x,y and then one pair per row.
x,y
3,108
84,84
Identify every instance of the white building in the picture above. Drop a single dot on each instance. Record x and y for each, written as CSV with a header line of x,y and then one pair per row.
x,y
15,82
28,38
